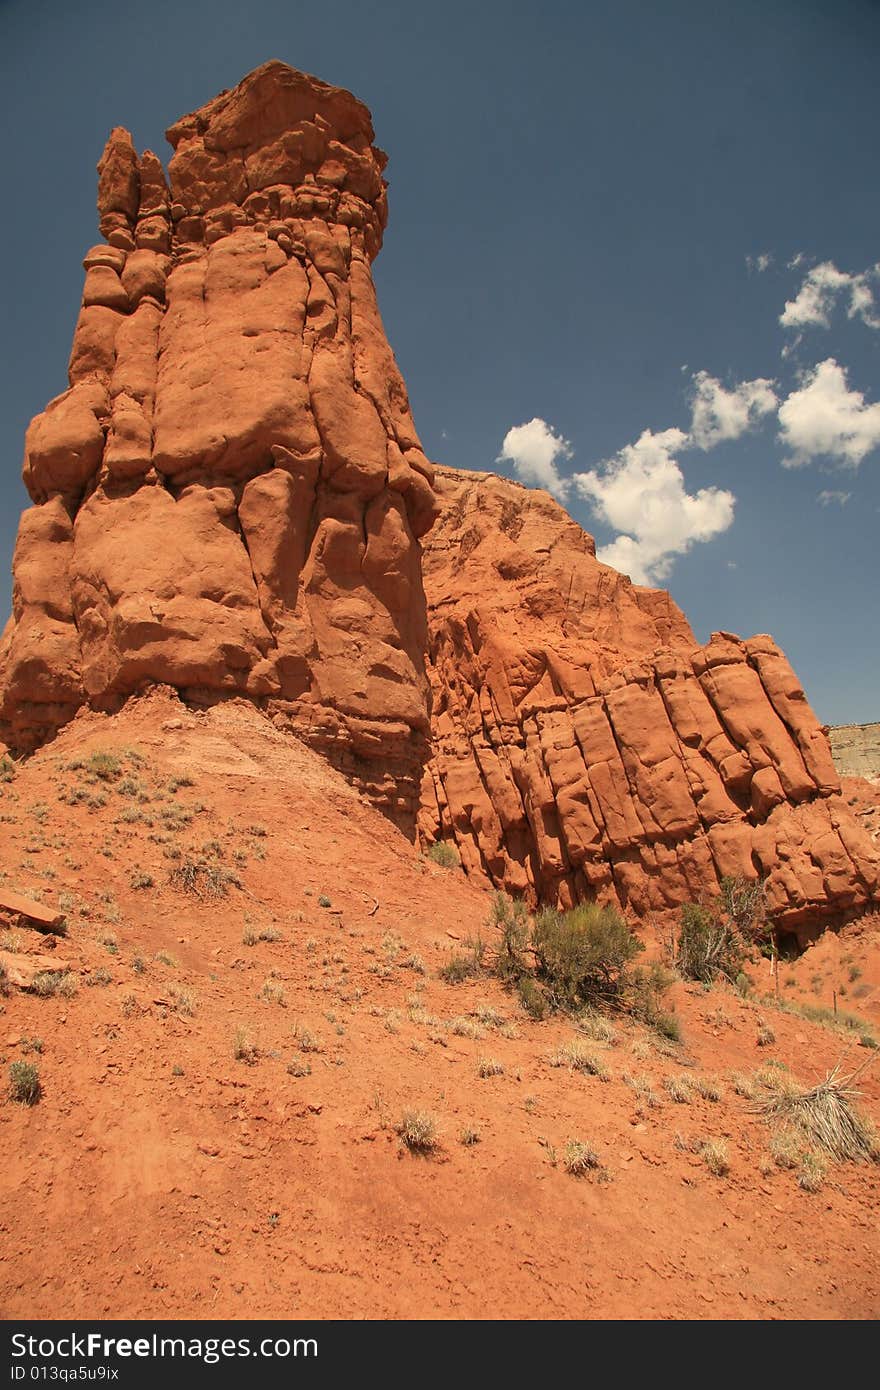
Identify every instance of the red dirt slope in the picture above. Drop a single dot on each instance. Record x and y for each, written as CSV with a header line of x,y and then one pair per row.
x,y
160,1176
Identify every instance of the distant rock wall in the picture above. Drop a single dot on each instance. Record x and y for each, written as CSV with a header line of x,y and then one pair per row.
x,y
855,749
227,499
585,745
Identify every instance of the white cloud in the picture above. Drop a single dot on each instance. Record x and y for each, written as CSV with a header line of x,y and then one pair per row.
x,y
826,498
825,419
758,264
719,414
641,493
533,449
823,286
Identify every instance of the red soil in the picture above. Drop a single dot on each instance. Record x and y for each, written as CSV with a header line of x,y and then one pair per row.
x,y
160,1177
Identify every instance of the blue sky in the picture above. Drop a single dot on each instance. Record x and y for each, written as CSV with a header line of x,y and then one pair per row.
x,y
582,199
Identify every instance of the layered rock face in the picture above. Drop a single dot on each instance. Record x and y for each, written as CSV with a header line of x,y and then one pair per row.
x,y
228,497
586,746
229,500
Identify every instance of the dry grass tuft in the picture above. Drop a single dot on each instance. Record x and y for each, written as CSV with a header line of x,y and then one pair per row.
x,y
824,1114
418,1131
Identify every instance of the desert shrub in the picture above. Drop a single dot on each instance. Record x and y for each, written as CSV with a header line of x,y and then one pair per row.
x,y
824,1115
7,769
24,1083
418,1131
708,944
766,1037
579,1158
469,1136
243,1048
105,765
744,901
49,982
583,955
532,997
490,1066
812,1172
679,1089
511,920
643,996
714,1155
444,854
203,880
465,964
577,1057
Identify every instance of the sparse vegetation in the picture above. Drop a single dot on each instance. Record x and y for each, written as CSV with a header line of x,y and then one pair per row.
x,y
579,1158
811,1174
444,854
708,945
469,1136
184,1001
823,1116
583,955
465,964
714,1154
708,1088
273,993
251,935
679,1089
490,1066
578,1057
61,982
243,1048
203,879
24,1083
417,1130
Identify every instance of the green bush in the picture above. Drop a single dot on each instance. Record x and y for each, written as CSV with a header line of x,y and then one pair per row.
x,y
464,965
708,944
645,988
744,901
444,854
583,955
511,919
24,1083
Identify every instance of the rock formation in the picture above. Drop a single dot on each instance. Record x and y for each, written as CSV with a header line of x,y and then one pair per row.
x,y
585,745
227,499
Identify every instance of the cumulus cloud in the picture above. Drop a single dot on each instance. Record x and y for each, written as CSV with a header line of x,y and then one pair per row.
x,y
828,498
825,419
533,449
641,493
758,264
719,414
823,287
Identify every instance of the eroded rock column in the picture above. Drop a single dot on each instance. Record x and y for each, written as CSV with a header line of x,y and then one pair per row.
x,y
230,494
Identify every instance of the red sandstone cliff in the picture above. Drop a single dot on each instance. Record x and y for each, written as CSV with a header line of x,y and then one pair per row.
x,y
229,500
584,744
